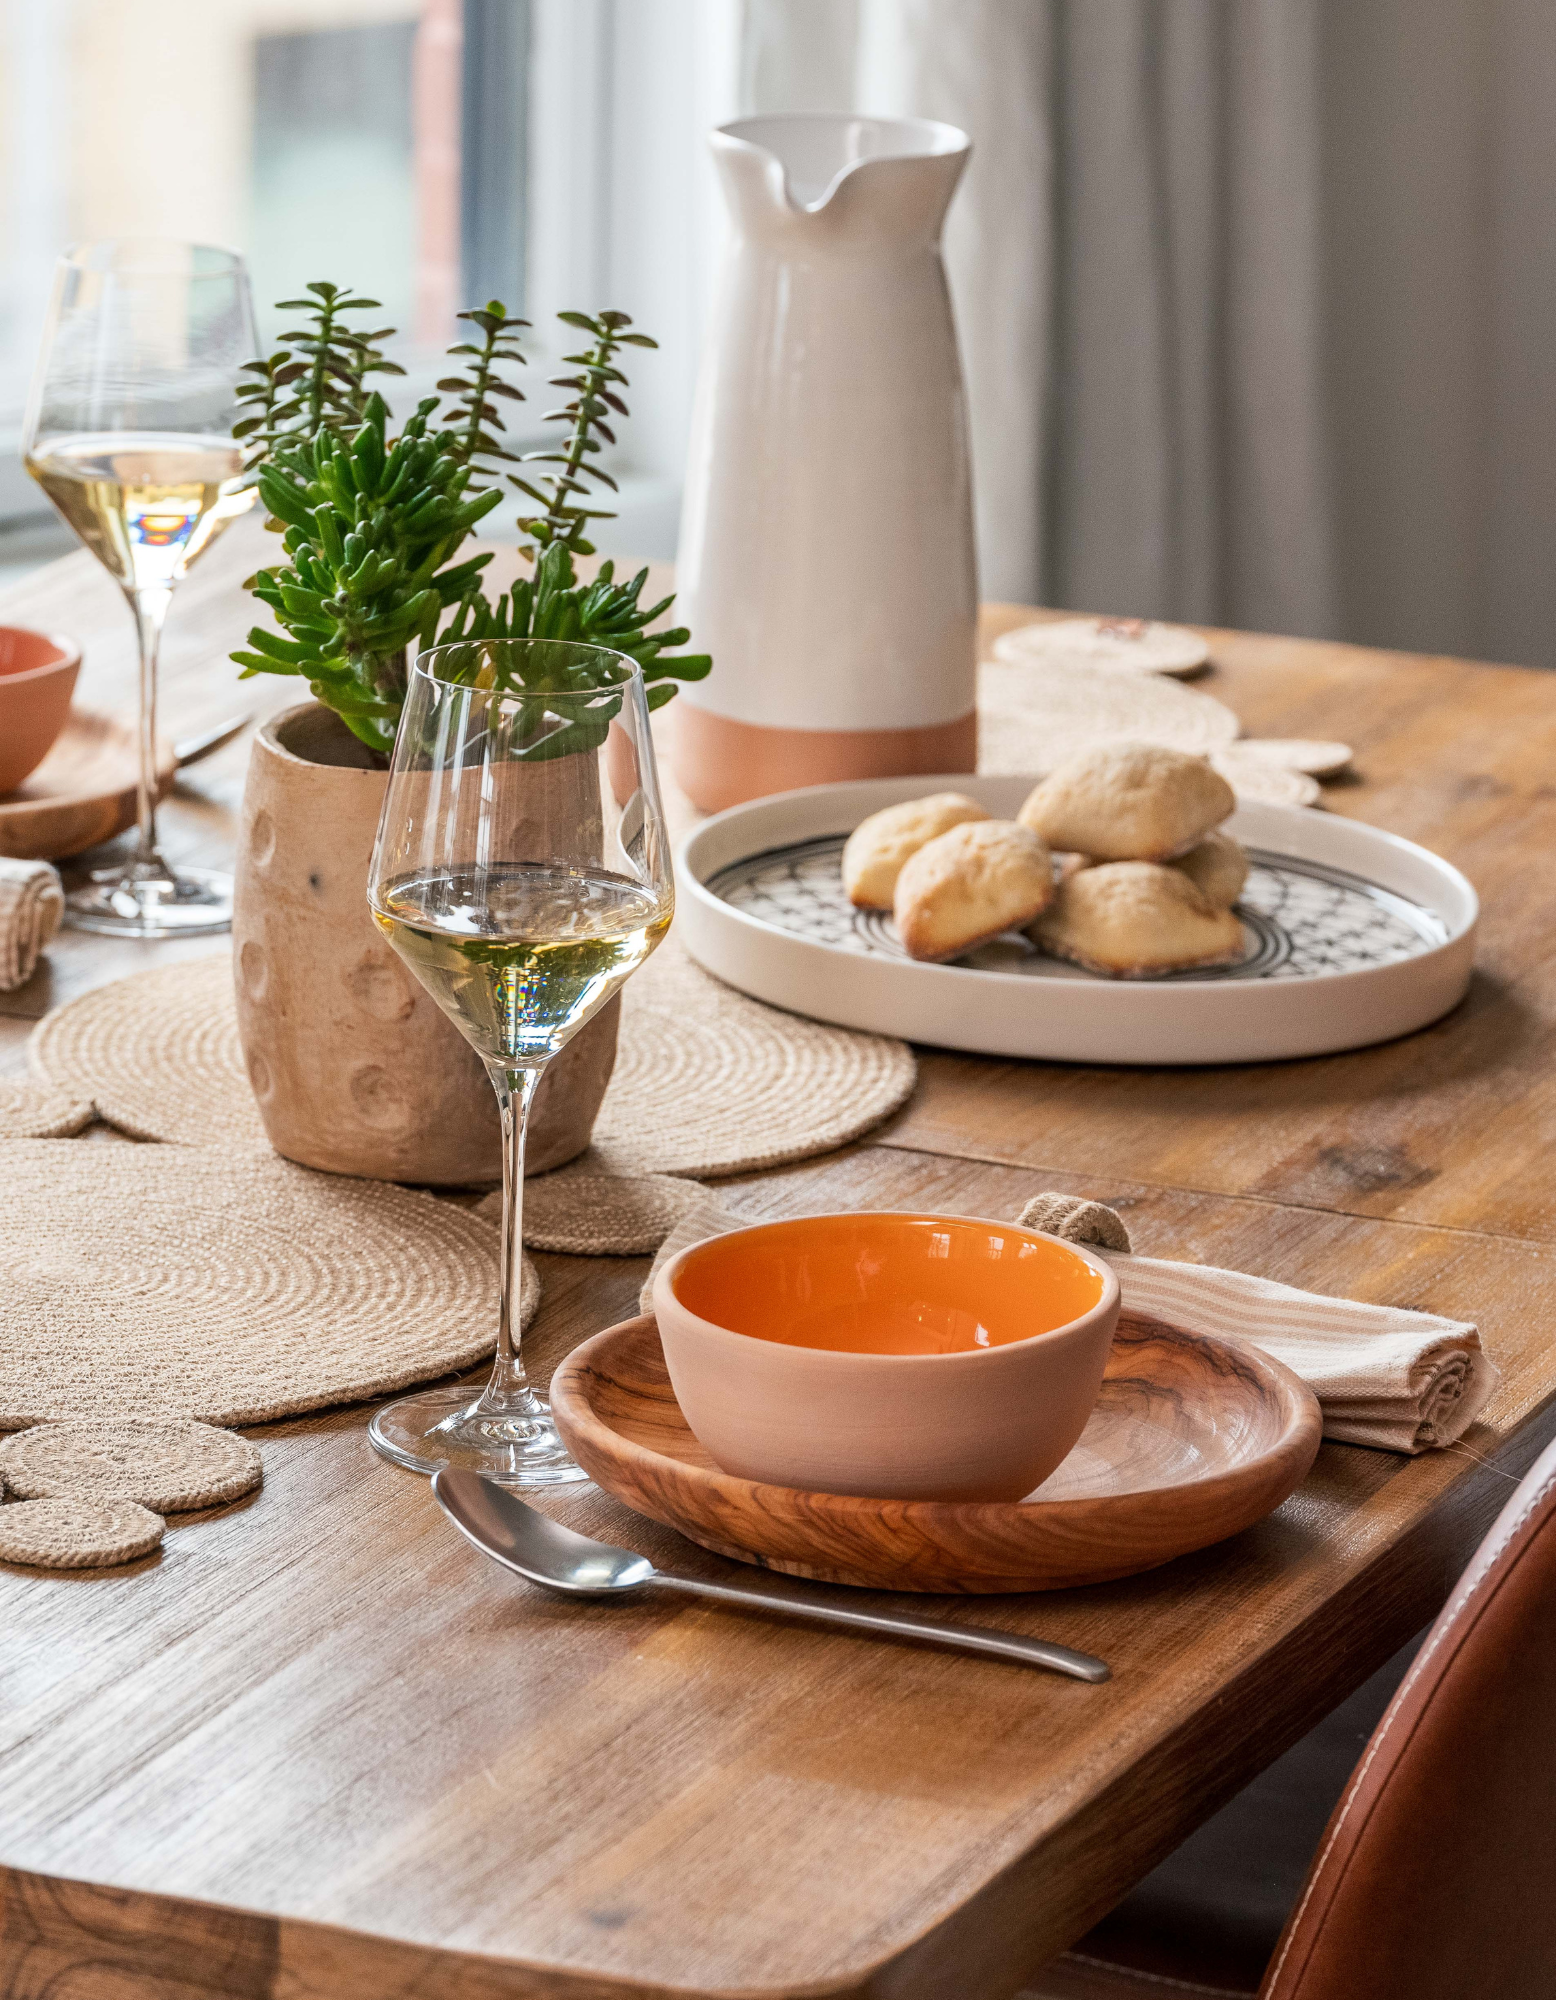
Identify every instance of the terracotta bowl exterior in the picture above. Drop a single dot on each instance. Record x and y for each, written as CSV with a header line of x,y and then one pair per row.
x,y
984,1423
37,679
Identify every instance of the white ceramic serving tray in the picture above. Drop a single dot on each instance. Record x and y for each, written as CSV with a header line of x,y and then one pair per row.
x,y
1354,936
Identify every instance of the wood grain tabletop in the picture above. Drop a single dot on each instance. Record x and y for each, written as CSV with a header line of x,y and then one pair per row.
x,y
317,1746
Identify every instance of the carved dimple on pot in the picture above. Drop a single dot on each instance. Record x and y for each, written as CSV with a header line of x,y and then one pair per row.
x,y
254,971
259,1075
380,988
262,840
379,1098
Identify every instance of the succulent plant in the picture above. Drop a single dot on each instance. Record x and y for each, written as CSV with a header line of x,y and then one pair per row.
x,y
372,525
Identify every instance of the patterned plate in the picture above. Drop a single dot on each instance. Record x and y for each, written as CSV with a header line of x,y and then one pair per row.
x,y
1352,936
1300,919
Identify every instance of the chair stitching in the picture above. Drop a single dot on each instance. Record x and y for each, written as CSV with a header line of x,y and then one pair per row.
x,y
1418,1667
1162,1978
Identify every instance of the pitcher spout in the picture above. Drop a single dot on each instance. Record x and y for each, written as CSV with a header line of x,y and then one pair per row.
x,y
835,171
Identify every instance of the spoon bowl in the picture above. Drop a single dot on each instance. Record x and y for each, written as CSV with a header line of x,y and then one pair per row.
x,y
539,1549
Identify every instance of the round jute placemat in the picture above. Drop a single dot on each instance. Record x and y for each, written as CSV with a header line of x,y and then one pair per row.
x,y
158,1054
706,1081
42,1111
169,1281
584,1210
1032,716
77,1534
1255,778
1296,753
1122,645
170,1465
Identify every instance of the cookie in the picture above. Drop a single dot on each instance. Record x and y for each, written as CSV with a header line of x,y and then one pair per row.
x,y
879,846
1217,867
1134,919
1129,802
971,884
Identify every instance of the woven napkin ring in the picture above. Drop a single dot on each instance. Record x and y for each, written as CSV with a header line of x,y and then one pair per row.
x,y
1076,1220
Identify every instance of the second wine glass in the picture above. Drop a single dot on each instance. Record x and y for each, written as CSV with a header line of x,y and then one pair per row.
x,y
129,432
522,871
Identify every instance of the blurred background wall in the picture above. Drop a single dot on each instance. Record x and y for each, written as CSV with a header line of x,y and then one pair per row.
x,y
1256,296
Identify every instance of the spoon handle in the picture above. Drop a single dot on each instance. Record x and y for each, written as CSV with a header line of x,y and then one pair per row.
x,y
927,1631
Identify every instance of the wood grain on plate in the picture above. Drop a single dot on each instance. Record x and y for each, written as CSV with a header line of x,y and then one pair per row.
x,y
83,792
320,1749
1192,1440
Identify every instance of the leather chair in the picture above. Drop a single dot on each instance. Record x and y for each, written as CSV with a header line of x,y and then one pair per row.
x,y
1435,1878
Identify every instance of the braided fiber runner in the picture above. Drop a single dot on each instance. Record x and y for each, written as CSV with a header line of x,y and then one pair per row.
x,y
165,1281
707,1082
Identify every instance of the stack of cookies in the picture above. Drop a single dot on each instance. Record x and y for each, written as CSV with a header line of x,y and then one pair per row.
x,y
1116,862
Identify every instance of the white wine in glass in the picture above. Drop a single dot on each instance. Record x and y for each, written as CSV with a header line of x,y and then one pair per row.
x,y
145,506
129,433
522,872
520,957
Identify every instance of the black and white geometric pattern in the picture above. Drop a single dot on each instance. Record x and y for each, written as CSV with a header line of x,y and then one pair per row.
x,y
1301,919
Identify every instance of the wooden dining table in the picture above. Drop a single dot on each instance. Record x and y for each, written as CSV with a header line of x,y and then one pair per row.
x,y
319,1746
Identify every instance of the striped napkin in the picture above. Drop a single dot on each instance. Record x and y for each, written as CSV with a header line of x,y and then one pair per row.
x,y
1384,1375
31,906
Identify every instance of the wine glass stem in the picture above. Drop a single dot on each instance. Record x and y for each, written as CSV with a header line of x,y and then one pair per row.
x,y
150,606
509,1391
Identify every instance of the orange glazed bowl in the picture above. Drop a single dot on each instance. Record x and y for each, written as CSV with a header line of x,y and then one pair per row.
x,y
902,1357
37,678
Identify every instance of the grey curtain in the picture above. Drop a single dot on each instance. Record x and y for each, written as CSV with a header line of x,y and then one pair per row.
x,y
1255,296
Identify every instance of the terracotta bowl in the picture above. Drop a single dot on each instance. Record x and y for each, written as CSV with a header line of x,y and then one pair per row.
x,y
37,678
908,1357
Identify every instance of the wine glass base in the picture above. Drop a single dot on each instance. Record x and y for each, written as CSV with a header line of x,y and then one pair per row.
x,y
152,902
423,1432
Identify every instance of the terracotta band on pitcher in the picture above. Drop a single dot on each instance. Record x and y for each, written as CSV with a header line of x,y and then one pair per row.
x,y
721,763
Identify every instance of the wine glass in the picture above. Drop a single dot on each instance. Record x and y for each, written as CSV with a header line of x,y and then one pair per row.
x,y
129,432
522,871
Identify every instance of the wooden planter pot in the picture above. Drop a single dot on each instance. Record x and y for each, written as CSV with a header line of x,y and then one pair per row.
x,y
354,1067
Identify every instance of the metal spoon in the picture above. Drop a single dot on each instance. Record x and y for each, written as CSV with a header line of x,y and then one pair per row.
x,y
543,1551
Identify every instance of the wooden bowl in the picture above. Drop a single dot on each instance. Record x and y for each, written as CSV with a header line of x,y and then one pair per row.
x,y
1192,1440
83,792
899,1356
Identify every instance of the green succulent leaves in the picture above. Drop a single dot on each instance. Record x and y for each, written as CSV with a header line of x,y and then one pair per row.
x,y
371,525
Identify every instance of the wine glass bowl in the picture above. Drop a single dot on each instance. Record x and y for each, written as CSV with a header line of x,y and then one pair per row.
x,y
129,433
522,871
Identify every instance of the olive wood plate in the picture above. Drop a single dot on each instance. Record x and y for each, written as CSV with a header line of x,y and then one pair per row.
x,y
1192,1440
83,792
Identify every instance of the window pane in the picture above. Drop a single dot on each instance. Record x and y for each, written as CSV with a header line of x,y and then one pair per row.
x,y
333,191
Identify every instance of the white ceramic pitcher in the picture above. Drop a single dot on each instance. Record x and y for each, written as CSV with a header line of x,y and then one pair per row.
x,y
826,556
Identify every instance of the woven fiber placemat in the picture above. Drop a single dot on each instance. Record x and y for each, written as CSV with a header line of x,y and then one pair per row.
x,y
584,1210
706,1081
169,1281
158,1053
168,1464
41,1111
1032,716
77,1533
